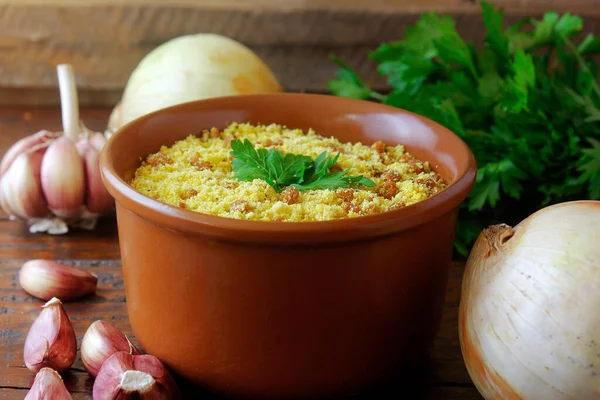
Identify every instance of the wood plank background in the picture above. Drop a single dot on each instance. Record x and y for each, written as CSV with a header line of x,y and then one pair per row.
x,y
104,40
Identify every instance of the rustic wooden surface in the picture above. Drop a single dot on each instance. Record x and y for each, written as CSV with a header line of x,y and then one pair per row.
x,y
443,377
104,40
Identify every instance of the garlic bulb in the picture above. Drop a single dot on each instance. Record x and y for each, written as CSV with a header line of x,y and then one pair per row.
x,y
52,180
528,321
188,68
102,340
51,340
46,279
48,385
23,145
125,376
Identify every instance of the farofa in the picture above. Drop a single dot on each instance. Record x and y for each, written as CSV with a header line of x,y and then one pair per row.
x,y
195,173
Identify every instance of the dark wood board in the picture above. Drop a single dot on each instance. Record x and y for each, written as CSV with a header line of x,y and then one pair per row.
x,y
104,40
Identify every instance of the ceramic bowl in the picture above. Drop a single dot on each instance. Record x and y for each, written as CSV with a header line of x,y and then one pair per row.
x,y
280,310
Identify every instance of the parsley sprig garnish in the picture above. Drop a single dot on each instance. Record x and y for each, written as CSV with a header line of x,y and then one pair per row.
x,y
298,171
527,103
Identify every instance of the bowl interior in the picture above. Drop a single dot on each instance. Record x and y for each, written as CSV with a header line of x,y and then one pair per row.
x,y
347,119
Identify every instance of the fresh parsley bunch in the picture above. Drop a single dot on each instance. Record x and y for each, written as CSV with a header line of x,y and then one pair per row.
x,y
527,104
298,171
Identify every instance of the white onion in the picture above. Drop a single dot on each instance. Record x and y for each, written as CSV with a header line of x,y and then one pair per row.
x,y
188,68
529,318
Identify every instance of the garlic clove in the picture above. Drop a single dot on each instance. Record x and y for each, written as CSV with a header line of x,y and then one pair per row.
x,y
124,375
63,178
48,385
98,200
4,201
46,279
101,340
82,146
23,145
51,340
98,140
21,187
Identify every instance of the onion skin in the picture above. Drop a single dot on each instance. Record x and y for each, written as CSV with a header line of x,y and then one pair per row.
x,y
188,68
529,325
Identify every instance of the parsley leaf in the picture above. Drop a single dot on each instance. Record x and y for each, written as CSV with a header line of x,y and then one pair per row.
x,y
348,84
299,171
334,180
589,45
590,165
496,38
527,104
288,169
250,164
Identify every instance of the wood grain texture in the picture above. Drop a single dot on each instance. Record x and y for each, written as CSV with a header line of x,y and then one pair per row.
x,y
442,377
105,40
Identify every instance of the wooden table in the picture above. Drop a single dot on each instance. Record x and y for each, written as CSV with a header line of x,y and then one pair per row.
x,y
443,377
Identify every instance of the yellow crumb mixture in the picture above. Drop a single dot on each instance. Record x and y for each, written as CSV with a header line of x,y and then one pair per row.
x,y
195,173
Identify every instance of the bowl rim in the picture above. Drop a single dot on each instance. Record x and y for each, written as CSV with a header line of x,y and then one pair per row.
x,y
268,232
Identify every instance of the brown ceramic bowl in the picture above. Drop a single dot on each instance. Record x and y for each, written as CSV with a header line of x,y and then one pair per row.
x,y
278,310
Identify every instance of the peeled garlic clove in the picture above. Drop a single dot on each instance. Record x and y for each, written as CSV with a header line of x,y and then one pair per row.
x,y
124,375
101,340
46,279
51,340
48,385
23,145
98,200
21,187
63,178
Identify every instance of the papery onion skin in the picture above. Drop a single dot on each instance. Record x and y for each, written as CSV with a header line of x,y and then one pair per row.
x,y
529,325
192,67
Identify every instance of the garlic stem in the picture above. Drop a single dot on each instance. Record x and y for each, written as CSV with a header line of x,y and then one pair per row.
x,y
69,103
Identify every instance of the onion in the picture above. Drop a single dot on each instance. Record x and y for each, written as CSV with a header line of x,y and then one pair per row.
x,y
529,320
188,68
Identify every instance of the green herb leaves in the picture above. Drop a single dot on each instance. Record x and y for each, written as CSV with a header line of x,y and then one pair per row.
x,y
590,165
527,104
279,170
